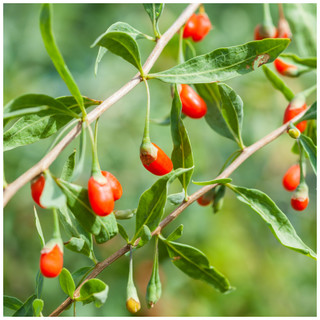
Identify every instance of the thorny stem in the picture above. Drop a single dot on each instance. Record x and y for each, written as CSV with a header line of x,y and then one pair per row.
x,y
246,153
46,161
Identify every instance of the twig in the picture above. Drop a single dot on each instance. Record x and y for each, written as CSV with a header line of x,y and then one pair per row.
x,y
47,160
246,153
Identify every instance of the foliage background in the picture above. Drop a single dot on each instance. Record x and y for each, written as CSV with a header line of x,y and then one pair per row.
x,y
270,280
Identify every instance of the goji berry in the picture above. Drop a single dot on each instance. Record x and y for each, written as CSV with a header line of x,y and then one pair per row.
x,y
193,105
197,27
262,31
300,197
51,262
291,178
158,164
295,107
285,69
37,187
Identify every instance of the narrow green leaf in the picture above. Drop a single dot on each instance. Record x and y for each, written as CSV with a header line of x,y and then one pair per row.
x,y
195,264
311,113
82,153
26,310
32,128
181,156
123,232
225,110
176,234
52,196
37,307
154,11
176,198
119,27
121,44
205,183
311,151
81,273
54,53
39,284
276,220
232,111
145,235
68,167
12,302
93,290
66,282
309,62
38,227
80,245
152,202
278,83
104,228
303,25
224,63
28,103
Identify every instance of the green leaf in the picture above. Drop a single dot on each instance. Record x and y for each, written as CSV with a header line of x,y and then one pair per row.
x,y
81,245
37,307
26,310
119,27
152,202
81,273
33,103
123,232
278,83
52,196
303,25
122,44
66,282
205,183
176,234
93,290
55,55
195,264
176,198
68,167
39,284
38,227
310,62
311,113
154,11
232,111
224,63
181,156
276,220
104,228
12,302
311,151
145,235
225,110
32,128
82,153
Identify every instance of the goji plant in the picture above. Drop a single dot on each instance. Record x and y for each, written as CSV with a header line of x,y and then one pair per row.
x,y
84,197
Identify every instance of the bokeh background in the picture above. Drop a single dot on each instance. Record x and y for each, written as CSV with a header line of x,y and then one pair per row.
x,y
270,279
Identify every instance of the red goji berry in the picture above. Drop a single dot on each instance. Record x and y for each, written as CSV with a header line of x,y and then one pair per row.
x,y
51,262
284,29
37,187
114,184
300,197
291,178
285,69
295,107
101,197
204,201
160,164
193,105
197,27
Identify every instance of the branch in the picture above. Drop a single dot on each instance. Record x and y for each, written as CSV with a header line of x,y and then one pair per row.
x,y
47,160
246,153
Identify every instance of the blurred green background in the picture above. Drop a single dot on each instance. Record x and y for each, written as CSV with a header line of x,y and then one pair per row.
x,y
270,279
